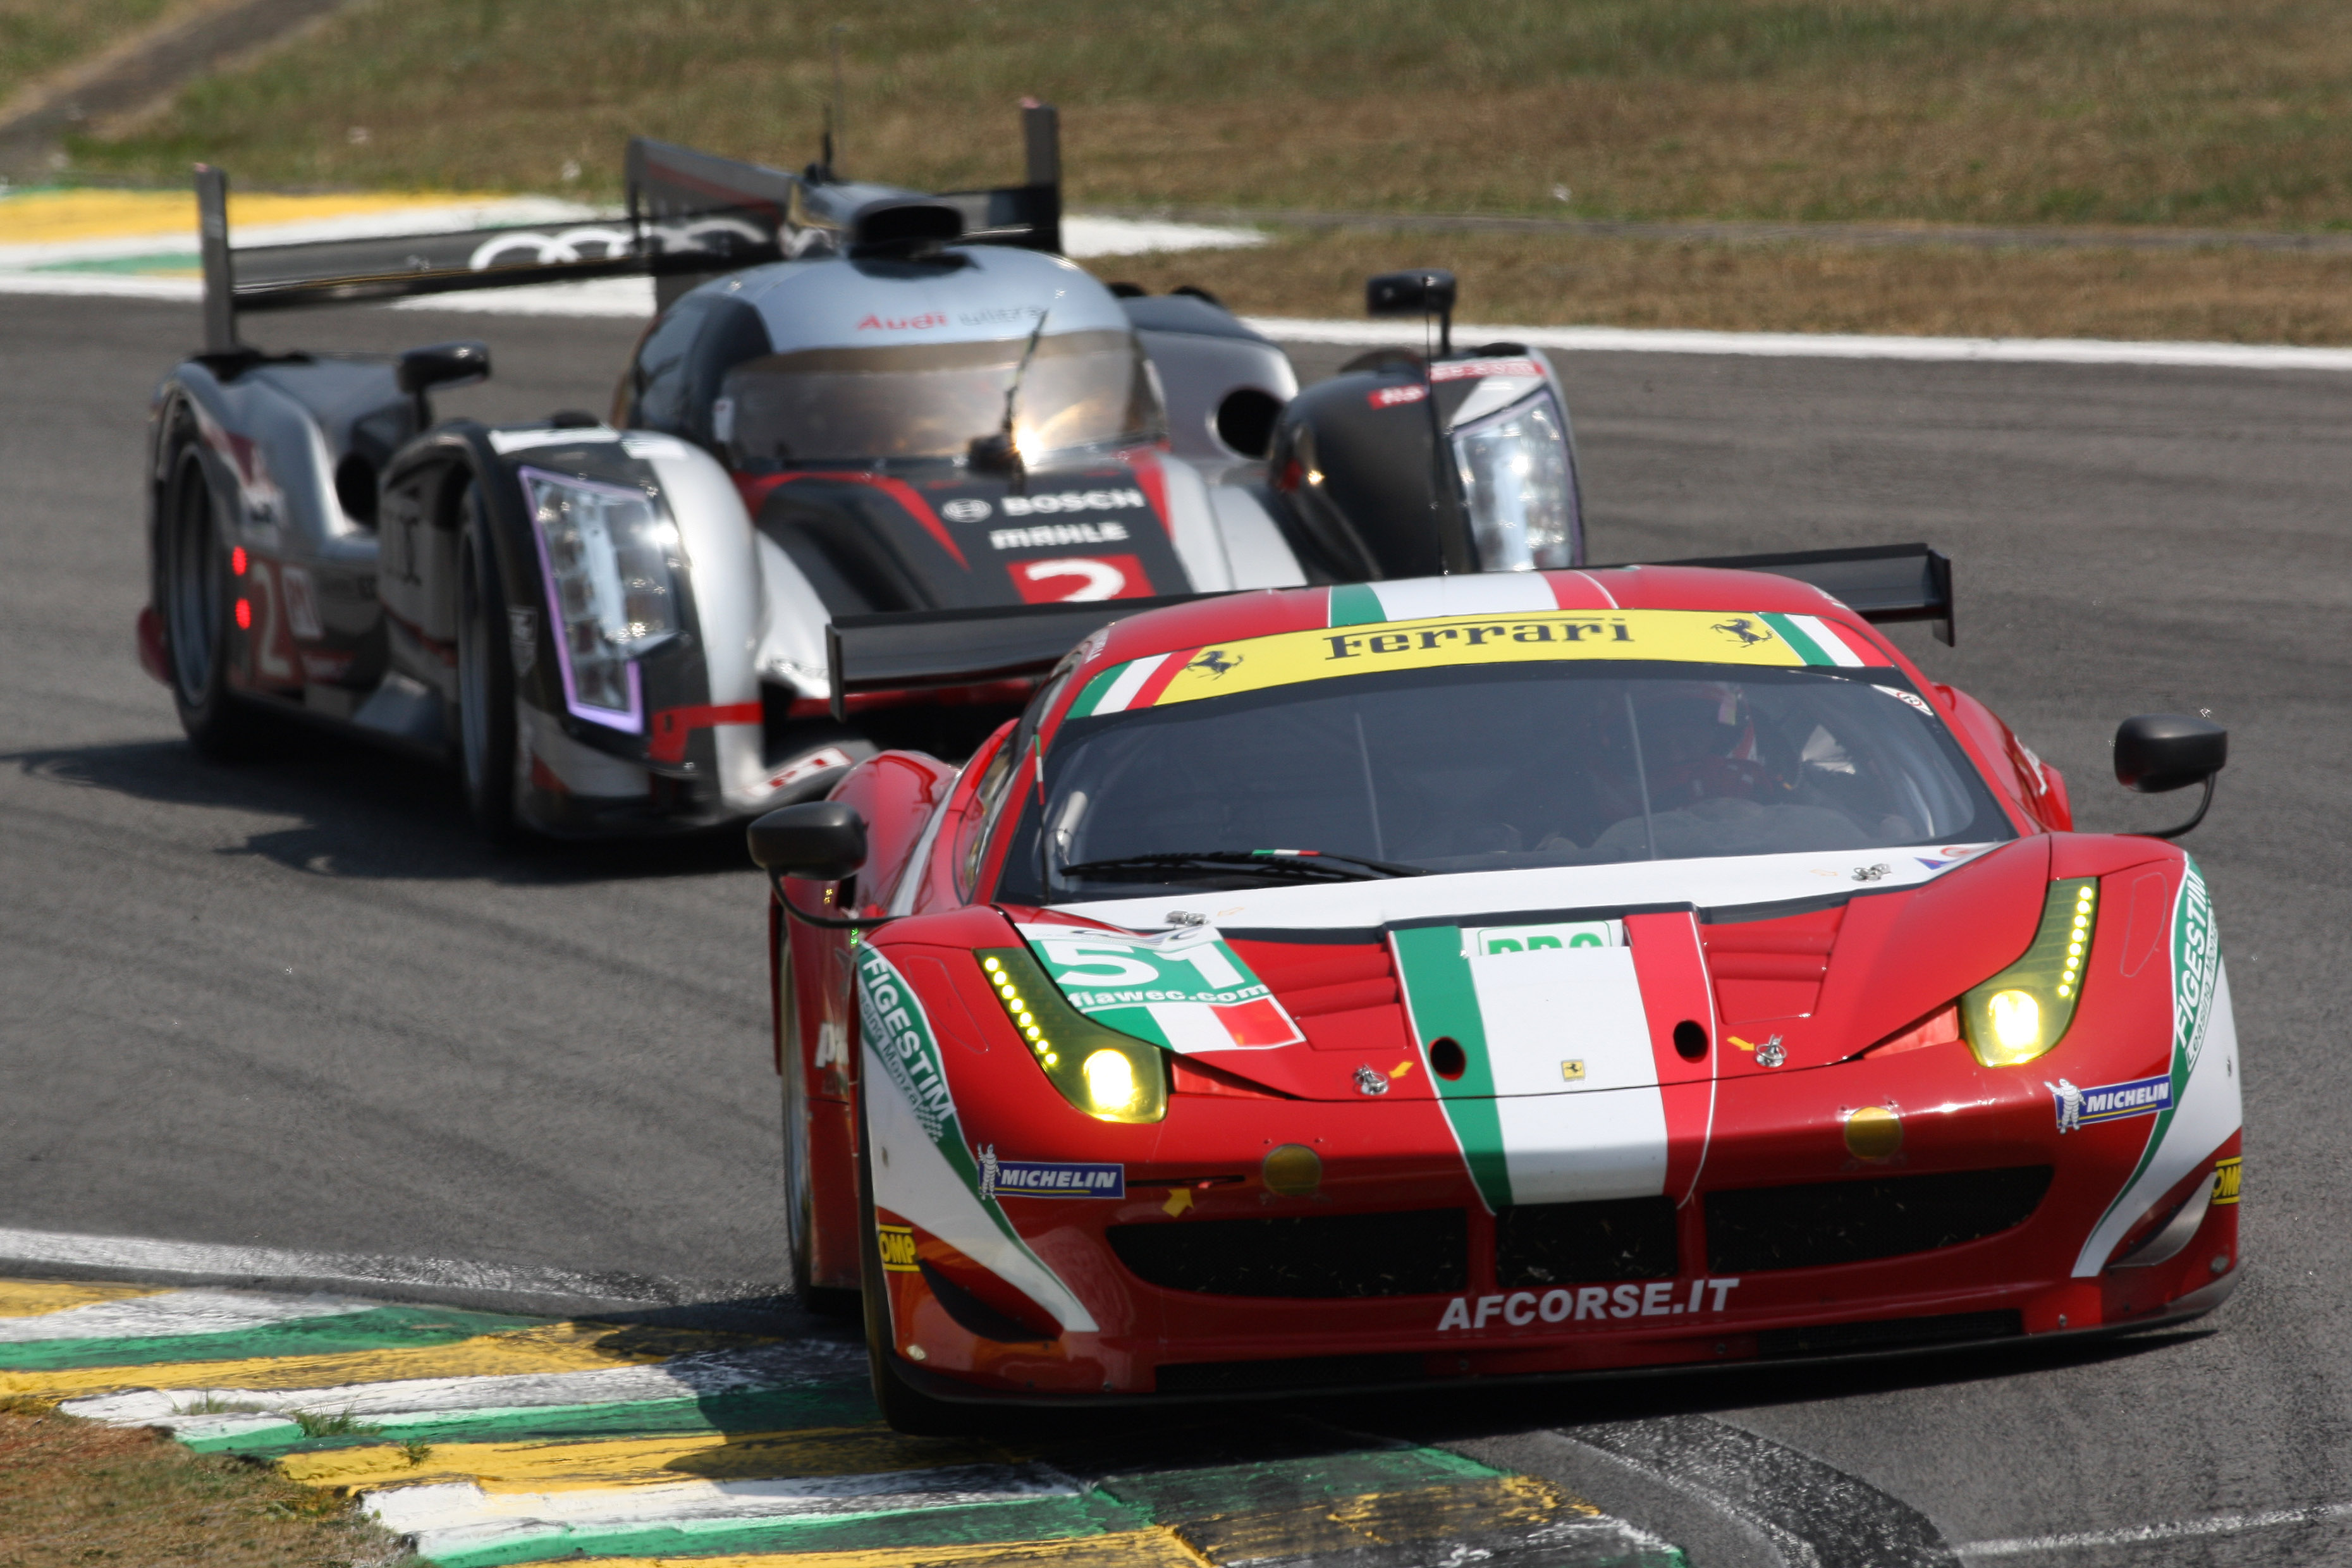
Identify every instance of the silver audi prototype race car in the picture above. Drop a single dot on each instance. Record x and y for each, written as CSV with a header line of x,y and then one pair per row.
x,y
856,403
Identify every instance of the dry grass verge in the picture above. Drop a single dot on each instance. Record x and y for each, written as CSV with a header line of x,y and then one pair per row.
x,y
2232,296
37,37
75,1493
2178,112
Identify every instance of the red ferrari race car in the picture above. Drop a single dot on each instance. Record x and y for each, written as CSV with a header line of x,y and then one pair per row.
x,y
1491,976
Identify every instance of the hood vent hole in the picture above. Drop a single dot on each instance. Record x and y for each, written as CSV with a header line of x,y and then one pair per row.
x,y
1446,1059
1690,1040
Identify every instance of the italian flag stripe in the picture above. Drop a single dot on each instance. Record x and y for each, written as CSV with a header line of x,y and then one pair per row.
x,y
1826,636
1170,666
1797,637
1091,699
1355,604
1119,695
1442,1000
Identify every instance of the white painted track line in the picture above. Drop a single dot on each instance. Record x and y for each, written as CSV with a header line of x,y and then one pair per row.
x,y
161,1261
795,1363
177,1313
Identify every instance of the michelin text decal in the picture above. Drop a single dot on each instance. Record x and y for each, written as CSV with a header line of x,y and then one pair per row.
x,y
2079,1108
1048,1178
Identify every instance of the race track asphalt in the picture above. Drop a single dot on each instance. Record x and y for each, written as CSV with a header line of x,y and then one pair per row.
x,y
291,1005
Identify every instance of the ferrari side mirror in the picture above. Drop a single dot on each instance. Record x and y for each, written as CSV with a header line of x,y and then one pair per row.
x,y
2160,751
824,840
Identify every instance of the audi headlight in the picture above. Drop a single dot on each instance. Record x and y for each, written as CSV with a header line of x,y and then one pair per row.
x,y
2023,1011
1101,1071
1520,486
611,560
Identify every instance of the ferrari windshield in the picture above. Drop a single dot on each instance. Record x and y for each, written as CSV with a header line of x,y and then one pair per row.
x,y
930,400
1485,767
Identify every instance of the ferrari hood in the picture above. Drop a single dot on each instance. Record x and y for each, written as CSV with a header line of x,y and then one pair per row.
x,y
1568,981
1750,882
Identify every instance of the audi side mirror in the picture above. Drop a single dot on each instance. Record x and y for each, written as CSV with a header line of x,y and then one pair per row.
x,y
2157,753
443,364
824,840
1425,292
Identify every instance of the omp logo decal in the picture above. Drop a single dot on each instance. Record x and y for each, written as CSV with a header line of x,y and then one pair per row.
x,y
1072,501
2080,1108
897,1244
1048,535
2225,1180
1594,1303
944,1197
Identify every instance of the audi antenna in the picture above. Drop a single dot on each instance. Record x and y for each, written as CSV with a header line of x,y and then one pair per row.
x,y
834,114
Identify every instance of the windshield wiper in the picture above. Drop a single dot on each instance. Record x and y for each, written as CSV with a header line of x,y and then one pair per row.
x,y
998,452
1309,862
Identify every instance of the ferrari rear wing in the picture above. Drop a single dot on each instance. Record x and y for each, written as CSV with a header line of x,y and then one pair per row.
x,y
691,215
913,648
1879,583
907,651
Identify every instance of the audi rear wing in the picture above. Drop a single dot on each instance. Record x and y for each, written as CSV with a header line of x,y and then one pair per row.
x,y
909,649
691,215
1877,582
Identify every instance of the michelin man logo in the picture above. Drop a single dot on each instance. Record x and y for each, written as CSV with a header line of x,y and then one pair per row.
x,y
2069,1104
988,1172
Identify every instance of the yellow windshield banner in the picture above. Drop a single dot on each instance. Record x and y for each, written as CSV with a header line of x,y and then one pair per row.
x,y
1697,637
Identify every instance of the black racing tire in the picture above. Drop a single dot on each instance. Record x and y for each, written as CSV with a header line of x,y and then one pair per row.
x,y
485,680
799,1178
905,1407
194,592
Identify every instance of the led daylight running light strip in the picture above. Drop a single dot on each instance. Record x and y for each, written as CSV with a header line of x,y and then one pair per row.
x,y
1018,1011
2022,1014
2078,939
1076,1052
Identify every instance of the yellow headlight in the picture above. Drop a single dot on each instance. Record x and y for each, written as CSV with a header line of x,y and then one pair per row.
x,y
1100,1071
2023,1013
2016,1020
1110,1082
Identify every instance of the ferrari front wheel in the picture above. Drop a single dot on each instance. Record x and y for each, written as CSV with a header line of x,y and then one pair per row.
x,y
485,683
907,1408
193,586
